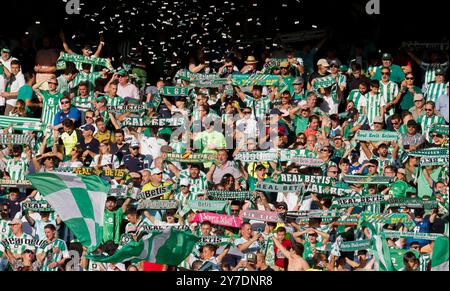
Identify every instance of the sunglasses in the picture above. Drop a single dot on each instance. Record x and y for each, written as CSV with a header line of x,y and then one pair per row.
x,y
372,166
333,172
234,210
324,150
384,73
28,252
247,112
89,117
63,103
394,123
411,78
281,207
428,109
53,83
377,123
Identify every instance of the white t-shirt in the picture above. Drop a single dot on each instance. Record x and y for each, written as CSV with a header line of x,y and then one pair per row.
x,y
2,89
129,90
248,127
151,146
253,248
7,63
106,160
291,199
15,86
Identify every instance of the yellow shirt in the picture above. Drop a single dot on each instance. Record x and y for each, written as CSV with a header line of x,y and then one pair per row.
x,y
149,186
108,136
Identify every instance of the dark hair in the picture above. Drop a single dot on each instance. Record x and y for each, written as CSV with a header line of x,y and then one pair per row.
x,y
313,117
298,249
356,67
84,84
281,229
15,62
68,123
119,130
50,226
206,222
85,66
131,211
100,119
344,161
375,83
236,203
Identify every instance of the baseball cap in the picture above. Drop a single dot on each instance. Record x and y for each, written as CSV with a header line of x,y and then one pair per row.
x,y
6,50
338,137
439,71
89,127
155,171
401,171
122,72
184,182
335,63
284,64
281,204
386,57
323,62
378,119
418,97
101,99
15,221
298,81
134,144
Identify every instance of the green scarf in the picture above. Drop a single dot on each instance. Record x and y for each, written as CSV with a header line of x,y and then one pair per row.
x,y
80,59
37,206
415,235
16,139
430,152
433,161
298,178
376,136
356,179
352,246
391,218
126,108
174,91
357,201
255,79
151,121
158,204
191,158
206,205
256,156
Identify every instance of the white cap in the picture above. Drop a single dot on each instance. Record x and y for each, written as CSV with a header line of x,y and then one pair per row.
x,y
378,119
155,171
134,143
323,62
184,182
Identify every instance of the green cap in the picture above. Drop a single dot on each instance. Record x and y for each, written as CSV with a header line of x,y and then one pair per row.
x,y
387,57
343,68
439,71
122,72
101,99
6,50
398,189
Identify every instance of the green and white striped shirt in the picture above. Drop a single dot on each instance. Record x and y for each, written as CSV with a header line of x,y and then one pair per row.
x,y
389,161
83,103
17,169
50,105
358,99
389,91
373,106
259,107
51,256
114,101
5,230
183,198
423,262
89,78
430,70
198,185
427,122
434,90
178,147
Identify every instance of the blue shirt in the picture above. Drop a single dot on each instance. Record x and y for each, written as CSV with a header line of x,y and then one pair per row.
x,y
421,227
73,113
442,106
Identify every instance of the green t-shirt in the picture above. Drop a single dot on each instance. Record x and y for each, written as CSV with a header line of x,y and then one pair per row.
x,y
408,99
308,253
422,184
300,124
111,225
26,93
397,257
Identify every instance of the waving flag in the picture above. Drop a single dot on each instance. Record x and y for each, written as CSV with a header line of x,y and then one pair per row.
x,y
439,260
78,200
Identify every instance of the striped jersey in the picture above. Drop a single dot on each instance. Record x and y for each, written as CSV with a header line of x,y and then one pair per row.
x,y
198,185
373,106
430,70
114,101
358,99
89,78
54,252
388,161
389,91
17,169
83,103
5,230
433,90
424,260
183,198
50,105
259,107
178,147
427,122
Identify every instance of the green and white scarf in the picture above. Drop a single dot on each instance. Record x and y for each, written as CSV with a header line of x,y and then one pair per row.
x,y
230,195
257,156
357,201
80,59
22,123
415,235
126,108
376,136
158,204
356,179
206,205
151,121
255,79
433,161
191,158
174,91
430,152
298,178
37,206
16,139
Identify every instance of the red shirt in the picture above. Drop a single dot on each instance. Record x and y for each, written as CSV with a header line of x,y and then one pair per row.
x,y
309,131
280,260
